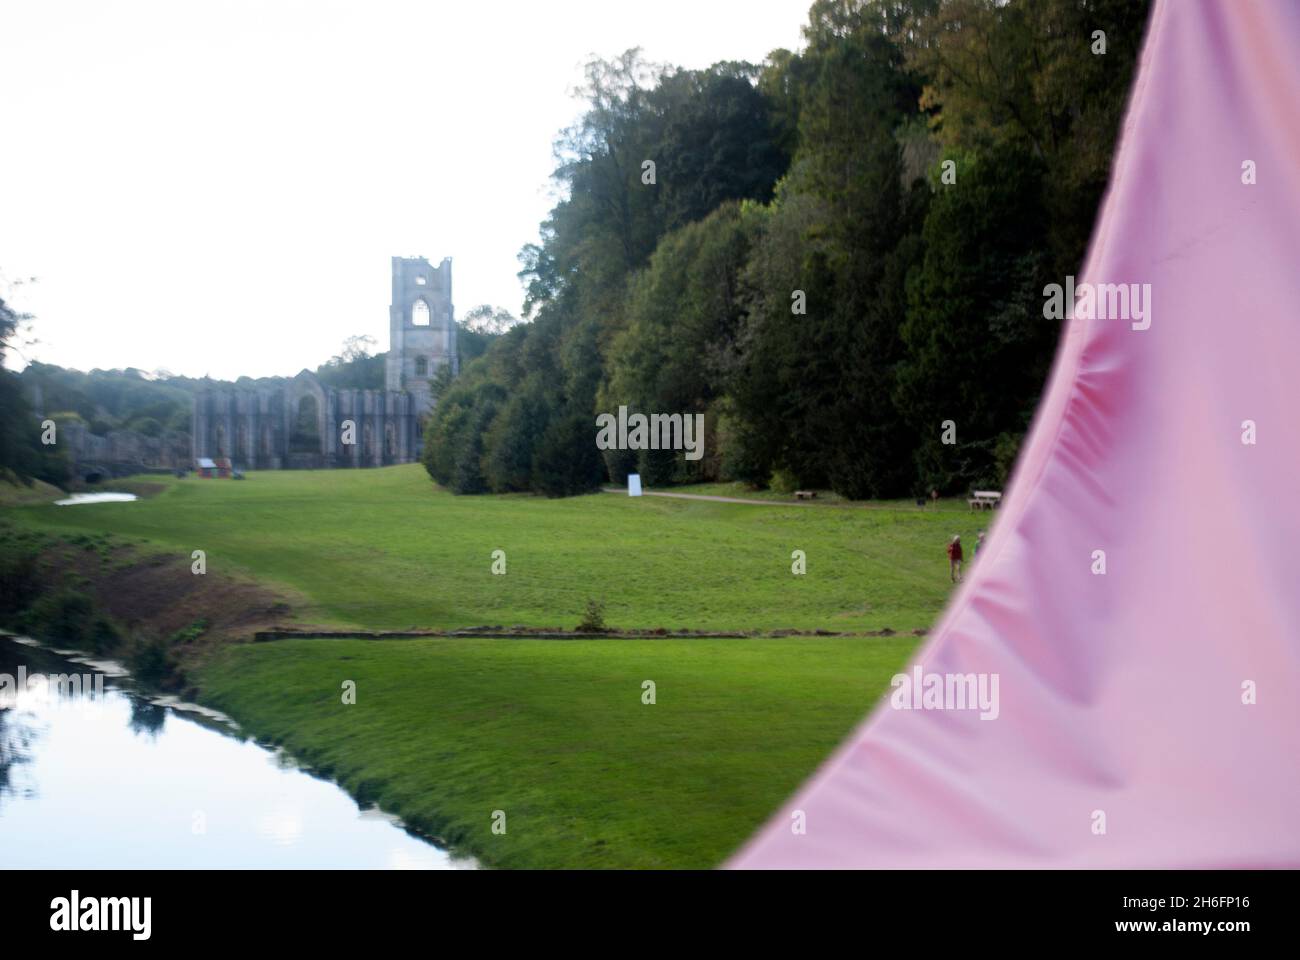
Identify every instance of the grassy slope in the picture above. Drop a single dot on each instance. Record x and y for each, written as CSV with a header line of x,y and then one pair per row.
x,y
382,549
554,733
18,494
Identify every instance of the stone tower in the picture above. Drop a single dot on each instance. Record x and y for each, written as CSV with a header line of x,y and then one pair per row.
x,y
422,331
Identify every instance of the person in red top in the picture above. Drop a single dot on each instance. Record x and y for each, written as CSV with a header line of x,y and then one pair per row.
x,y
954,559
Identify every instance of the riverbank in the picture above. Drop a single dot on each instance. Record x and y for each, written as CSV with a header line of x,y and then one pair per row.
x,y
553,732
589,767
555,742
112,597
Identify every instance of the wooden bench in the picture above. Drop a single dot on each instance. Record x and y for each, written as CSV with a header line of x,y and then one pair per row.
x,y
984,499
805,494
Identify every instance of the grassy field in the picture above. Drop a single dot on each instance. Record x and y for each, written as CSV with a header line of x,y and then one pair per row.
x,y
553,732
384,549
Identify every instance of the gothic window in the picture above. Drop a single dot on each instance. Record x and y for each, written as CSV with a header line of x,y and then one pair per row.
x,y
419,314
421,367
305,437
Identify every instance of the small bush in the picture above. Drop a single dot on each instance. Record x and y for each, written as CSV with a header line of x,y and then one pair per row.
x,y
783,481
593,621
63,616
151,661
68,617
104,636
191,633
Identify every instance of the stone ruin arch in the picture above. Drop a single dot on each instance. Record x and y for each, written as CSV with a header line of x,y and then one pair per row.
x,y
263,428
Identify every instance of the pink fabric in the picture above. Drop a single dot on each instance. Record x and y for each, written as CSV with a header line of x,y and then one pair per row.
x,y
1123,692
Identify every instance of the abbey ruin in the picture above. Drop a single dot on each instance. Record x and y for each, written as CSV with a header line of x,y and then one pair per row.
x,y
305,426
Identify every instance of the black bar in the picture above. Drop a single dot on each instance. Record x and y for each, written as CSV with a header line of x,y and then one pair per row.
x,y
228,909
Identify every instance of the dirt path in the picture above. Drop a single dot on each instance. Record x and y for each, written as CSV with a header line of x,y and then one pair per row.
x,y
706,496
842,504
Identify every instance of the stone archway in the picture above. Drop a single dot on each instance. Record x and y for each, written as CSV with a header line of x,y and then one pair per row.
x,y
304,437
305,433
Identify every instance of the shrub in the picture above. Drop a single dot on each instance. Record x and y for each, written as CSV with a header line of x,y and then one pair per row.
x,y
68,617
103,635
63,616
151,661
19,578
783,481
191,633
593,621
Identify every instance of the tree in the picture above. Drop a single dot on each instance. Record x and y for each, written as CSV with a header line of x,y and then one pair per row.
x,y
814,394
354,367
1025,74
773,247
717,141
487,319
978,346
513,437
677,350
22,454
566,461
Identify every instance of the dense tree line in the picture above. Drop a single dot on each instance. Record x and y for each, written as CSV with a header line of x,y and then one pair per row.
x,y
828,255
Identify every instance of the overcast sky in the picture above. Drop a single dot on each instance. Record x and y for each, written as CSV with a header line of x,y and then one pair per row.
x,y
217,187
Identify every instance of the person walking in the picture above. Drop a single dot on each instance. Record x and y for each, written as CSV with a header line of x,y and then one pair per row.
x,y
954,559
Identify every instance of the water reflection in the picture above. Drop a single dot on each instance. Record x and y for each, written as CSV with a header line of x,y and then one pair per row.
x,y
104,497
120,781
147,718
15,749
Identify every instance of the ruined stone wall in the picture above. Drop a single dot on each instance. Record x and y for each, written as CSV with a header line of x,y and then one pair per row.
x,y
303,426
122,450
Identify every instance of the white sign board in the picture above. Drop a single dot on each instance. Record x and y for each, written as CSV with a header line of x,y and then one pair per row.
x,y
634,484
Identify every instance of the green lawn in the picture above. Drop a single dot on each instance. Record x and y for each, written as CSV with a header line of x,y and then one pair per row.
x,y
385,549
553,732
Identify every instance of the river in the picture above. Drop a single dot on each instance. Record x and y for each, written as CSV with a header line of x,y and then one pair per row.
x,y
127,780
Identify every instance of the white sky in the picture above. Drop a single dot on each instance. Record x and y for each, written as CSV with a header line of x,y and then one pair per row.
x,y
217,187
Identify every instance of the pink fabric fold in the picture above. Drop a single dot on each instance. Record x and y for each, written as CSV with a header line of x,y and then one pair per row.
x,y
1123,693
